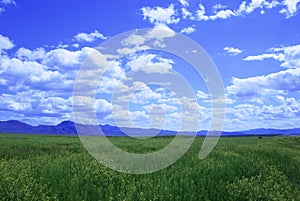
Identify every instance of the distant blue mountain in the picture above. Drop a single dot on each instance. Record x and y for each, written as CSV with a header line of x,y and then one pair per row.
x,y
70,128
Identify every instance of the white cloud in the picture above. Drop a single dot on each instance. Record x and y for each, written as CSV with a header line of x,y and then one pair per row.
x,y
155,36
62,46
23,75
134,40
232,51
261,57
245,8
187,14
40,103
112,79
202,95
160,15
102,105
279,113
220,11
63,57
140,93
222,14
274,112
26,54
201,13
52,73
274,83
163,106
254,4
76,45
131,50
57,58
289,108
101,72
147,107
224,100
188,30
291,58
160,31
38,69
218,7
291,7
85,37
150,63
184,2
272,4
168,15
9,102
87,104
288,56
5,43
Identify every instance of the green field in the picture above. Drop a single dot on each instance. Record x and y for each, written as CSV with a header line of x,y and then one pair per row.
x,y
36,167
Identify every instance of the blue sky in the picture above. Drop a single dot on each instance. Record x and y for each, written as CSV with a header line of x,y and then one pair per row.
x,y
255,46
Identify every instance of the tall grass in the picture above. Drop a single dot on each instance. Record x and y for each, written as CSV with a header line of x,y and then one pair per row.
x,y
36,167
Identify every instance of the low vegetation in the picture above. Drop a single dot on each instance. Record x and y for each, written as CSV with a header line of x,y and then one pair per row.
x,y
36,167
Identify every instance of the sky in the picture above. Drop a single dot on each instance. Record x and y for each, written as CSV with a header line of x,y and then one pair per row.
x,y
254,45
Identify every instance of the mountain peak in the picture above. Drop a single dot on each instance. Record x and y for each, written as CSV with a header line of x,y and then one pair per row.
x,y
14,122
66,123
69,128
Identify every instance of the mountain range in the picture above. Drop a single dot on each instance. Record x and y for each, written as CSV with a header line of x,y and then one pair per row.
x,y
69,128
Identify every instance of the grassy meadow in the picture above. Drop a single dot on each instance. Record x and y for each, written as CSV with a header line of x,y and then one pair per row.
x,y
40,167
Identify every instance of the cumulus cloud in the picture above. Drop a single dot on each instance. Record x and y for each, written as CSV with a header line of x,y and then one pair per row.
x,y
244,8
188,30
291,7
5,43
89,37
57,58
30,55
232,51
23,75
218,7
288,56
222,14
282,112
40,69
50,75
89,104
76,45
43,105
219,11
187,14
160,15
142,105
160,31
201,13
288,108
134,40
184,2
274,83
62,57
202,95
150,63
